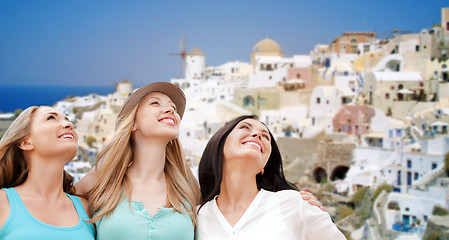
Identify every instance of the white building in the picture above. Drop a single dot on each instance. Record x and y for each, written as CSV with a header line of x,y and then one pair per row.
x,y
201,120
290,120
400,168
324,104
195,64
89,101
122,92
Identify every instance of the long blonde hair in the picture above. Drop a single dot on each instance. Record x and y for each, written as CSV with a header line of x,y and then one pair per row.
x,y
13,166
112,181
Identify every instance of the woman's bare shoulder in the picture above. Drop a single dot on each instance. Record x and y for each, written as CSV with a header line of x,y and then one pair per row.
x,y
4,207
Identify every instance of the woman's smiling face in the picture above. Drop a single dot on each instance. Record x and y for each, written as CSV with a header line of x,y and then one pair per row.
x,y
52,133
250,143
157,117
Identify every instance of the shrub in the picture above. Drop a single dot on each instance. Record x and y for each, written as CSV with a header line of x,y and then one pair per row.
x,y
446,164
379,189
440,211
359,196
435,235
17,112
343,211
90,141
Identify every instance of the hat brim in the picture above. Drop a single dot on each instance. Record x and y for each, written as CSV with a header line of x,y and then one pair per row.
x,y
172,91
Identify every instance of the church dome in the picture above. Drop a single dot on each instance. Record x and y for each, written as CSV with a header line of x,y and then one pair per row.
x,y
267,46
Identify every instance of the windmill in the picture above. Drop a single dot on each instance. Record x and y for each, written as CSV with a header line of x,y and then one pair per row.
x,y
182,54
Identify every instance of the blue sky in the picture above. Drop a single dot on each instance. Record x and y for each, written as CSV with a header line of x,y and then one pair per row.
x,y
103,42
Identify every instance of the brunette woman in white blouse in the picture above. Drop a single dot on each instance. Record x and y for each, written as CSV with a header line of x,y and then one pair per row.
x,y
244,192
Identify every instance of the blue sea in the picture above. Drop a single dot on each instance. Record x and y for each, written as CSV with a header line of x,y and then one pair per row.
x,y
21,97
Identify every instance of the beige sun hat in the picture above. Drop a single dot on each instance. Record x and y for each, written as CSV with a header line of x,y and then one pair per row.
x,y
172,91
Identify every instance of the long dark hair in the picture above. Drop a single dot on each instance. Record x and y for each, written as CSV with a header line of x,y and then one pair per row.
x,y
210,169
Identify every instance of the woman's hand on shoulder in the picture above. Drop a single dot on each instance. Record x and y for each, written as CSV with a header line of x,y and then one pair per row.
x,y
311,199
4,207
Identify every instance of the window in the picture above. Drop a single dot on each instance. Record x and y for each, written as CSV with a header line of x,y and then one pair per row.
x,y
434,165
365,48
391,87
298,76
327,102
262,101
387,96
409,163
416,176
417,48
318,100
248,100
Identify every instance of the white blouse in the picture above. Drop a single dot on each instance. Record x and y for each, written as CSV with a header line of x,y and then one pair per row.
x,y
282,215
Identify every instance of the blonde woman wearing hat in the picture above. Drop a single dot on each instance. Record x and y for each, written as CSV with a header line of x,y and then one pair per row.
x,y
141,186
36,200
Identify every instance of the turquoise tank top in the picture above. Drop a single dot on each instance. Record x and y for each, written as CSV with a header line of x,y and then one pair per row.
x,y
130,220
20,224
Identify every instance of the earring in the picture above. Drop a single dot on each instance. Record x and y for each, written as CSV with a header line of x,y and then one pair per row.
x,y
263,170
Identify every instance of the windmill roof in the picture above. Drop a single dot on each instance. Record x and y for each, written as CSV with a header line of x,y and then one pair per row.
x,y
196,51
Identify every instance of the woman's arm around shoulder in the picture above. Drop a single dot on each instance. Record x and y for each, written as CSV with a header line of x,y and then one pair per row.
x,y
310,220
318,224
4,207
86,183
86,206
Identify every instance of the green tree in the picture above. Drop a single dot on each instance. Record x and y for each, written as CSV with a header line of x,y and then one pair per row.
x,y
343,211
17,112
389,112
358,197
446,163
435,235
386,187
90,141
440,211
